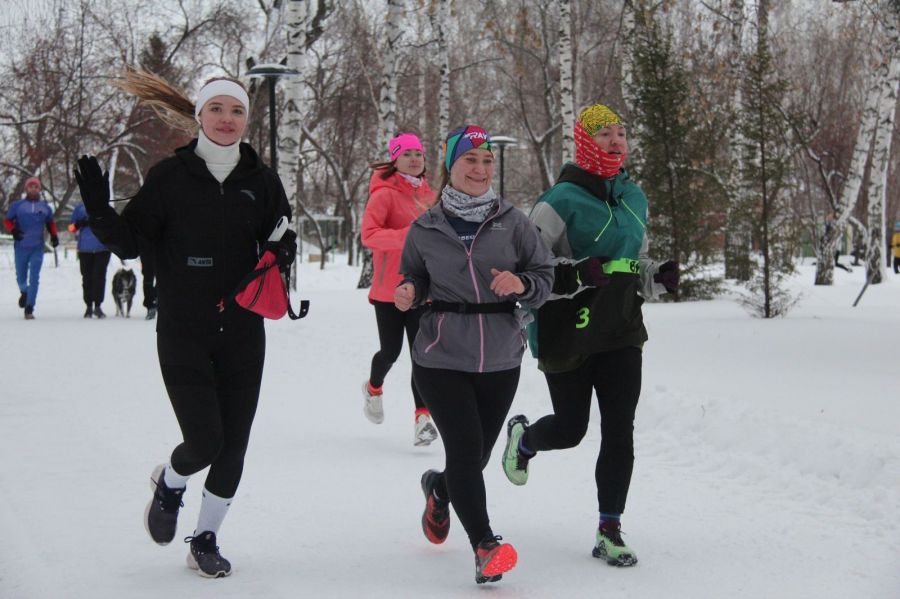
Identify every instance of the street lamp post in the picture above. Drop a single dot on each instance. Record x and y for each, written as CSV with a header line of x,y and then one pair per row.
x,y
501,141
271,73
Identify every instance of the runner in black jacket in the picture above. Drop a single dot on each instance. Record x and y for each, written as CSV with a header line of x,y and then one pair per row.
x,y
207,212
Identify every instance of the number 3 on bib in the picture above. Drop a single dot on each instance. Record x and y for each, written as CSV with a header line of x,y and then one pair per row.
x,y
584,318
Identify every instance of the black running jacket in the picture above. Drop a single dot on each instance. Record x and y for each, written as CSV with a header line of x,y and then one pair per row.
x,y
205,235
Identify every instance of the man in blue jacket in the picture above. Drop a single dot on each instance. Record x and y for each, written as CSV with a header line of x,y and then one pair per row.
x,y
26,220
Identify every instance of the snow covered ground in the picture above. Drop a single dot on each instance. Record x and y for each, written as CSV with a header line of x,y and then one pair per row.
x,y
767,460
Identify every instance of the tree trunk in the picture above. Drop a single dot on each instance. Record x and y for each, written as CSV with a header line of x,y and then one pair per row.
x,y
626,60
566,81
368,269
853,182
444,57
303,28
738,231
881,154
387,109
387,106
297,17
632,25
762,31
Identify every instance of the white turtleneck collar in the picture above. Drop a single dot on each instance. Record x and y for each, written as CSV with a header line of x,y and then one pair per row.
x,y
220,160
414,181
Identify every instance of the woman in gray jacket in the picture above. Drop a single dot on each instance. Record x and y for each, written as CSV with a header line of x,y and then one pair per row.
x,y
474,261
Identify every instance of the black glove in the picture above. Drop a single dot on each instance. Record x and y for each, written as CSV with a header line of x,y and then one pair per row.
x,y
82,223
93,184
285,249
668,276
589,272
17,234
54,240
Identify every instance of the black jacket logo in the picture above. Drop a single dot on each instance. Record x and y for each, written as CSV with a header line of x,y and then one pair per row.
x,y
203,262
249,193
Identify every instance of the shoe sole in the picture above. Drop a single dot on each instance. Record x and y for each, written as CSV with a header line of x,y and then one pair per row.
x,y
428,436
509,427
503,560
193,565
154,479
626,560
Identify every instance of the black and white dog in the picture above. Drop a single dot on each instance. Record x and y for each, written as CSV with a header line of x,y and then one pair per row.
x,y
124,284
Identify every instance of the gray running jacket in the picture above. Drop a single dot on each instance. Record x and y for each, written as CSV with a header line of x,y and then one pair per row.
x,y
442,269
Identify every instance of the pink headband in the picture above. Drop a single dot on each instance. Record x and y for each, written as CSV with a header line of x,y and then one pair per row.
x,y
402,143
31,180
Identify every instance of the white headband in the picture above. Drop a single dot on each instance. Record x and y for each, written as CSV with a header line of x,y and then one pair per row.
x,y
220,87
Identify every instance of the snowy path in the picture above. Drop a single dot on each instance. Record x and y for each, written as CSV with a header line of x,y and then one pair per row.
x,y
767,461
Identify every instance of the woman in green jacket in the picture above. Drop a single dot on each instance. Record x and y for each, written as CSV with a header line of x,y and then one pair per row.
x,y
588,335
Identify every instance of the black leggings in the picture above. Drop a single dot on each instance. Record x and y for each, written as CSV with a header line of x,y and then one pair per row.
x,y
213,383
469,410
93,276
391,324
616,377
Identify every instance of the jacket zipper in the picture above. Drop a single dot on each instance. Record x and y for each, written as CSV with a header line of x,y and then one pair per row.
x,y
223,270
636,217
469,251
597,238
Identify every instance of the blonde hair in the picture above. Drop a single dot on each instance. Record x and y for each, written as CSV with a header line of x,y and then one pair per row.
x,y
170,103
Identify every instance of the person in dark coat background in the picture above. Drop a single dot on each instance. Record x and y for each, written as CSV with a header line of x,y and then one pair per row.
x,y
93,259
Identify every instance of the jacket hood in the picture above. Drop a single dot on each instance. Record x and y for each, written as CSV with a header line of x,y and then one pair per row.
x,y
249,164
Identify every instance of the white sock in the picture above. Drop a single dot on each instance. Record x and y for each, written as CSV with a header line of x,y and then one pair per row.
x,y
172,479
212,511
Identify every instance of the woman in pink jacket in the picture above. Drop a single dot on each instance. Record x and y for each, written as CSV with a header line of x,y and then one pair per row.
x,y
398,194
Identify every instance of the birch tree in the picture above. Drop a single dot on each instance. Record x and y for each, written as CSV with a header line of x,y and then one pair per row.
x,y
853,181
387,106
738,231
566,81
440,23
630,8
303,21
881,154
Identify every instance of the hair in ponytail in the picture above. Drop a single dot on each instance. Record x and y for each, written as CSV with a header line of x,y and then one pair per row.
x,y
170,103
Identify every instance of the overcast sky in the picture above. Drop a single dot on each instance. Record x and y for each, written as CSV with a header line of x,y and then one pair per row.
x,y
18,13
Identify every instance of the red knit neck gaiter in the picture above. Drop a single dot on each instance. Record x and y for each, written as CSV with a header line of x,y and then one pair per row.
x,y
591,158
